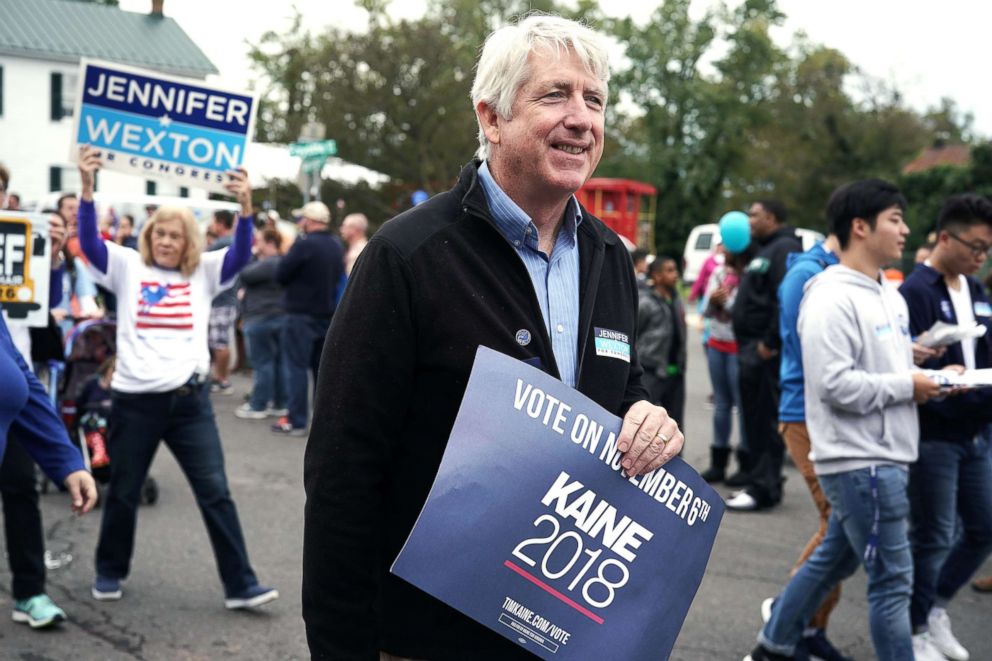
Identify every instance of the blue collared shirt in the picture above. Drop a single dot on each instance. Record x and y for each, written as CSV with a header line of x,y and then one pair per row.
x,y
555,280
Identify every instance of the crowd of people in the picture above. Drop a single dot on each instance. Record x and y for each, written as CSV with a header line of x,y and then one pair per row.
x,y
818,352
898,467
175,303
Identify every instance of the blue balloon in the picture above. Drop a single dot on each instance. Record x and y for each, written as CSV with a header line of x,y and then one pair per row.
x,y
735,231
419,196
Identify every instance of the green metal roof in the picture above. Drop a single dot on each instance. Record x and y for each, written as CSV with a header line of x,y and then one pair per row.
x,y
64,31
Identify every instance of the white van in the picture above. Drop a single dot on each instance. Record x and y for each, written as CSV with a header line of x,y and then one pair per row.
x,y
703,238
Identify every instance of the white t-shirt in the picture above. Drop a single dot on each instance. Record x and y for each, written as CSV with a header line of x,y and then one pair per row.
x,y
961,300
162,319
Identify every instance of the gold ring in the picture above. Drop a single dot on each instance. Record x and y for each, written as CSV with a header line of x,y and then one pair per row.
x,y
664,439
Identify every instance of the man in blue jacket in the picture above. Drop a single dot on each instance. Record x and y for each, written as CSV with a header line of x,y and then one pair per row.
x,y
310,272
792,417
952,478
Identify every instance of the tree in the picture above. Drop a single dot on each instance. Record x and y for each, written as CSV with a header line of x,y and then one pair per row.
x,y
684,131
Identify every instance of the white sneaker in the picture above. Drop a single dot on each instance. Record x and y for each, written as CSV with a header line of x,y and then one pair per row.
x,y
943,638
766,609
742,502
924,649
246,412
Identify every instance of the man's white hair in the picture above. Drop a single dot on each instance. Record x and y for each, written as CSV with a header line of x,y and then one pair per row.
x,y
504,66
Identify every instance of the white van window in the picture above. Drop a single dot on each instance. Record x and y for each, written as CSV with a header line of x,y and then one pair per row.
x,y
703,241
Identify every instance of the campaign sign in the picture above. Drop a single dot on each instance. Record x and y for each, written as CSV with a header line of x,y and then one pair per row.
x,y
531,529
25,267
157,126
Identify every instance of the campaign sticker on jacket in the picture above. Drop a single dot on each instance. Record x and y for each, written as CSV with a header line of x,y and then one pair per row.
x,y
612,344
983,309
574,561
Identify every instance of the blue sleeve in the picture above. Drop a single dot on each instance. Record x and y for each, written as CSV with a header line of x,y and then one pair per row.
x,y
239,253
790,295
38,427
339,293
89,238
55,286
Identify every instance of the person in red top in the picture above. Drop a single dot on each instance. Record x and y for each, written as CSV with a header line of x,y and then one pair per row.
x,y
721,357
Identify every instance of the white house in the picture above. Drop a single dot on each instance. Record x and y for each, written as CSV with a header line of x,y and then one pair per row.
x,y
41,43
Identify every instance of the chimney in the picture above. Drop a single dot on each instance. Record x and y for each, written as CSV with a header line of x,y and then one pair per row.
x,y
157,7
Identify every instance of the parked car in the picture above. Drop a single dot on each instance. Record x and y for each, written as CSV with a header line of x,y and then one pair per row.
x,y
703,239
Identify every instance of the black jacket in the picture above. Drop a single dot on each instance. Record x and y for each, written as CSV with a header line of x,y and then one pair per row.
x,y
961,417
756,308
311,271
431,286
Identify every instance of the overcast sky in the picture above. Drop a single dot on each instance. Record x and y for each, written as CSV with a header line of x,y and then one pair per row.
x,y
928,49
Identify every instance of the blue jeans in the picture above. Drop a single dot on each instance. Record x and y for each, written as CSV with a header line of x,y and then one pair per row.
x,y
268,366
186,423
949,480
302,342
890,574
726,395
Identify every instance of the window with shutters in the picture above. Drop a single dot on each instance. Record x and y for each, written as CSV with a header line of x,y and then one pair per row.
x,y
63,94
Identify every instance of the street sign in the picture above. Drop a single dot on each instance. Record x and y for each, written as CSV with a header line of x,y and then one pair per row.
x,y
314,150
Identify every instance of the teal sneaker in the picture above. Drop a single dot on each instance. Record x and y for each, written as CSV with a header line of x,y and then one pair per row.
x,y
39,612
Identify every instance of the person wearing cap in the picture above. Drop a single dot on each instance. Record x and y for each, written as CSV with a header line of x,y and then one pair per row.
x,y
310,272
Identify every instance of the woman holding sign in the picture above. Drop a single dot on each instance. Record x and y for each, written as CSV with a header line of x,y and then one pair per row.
x,y
163,304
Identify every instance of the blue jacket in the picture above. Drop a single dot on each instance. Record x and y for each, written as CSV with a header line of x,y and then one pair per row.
x,y
311,272
961,417
27,414
801,267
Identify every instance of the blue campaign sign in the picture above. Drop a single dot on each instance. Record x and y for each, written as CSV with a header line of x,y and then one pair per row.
x,y
158,126
531,529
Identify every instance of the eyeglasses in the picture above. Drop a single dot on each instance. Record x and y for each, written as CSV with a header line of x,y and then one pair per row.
x,y
977,249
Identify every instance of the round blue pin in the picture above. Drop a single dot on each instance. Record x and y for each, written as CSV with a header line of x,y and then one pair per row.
x,y
523,337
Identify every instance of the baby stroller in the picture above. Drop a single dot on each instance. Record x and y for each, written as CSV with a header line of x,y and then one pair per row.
x,y
88,346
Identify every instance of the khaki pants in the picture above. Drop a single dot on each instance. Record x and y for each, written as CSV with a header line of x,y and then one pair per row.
x,y
796,438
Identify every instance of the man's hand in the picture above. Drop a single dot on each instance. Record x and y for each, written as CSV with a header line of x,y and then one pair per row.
x,y
922,354
239,186
89,163
719,296
648,438
765,353
82,489
924,388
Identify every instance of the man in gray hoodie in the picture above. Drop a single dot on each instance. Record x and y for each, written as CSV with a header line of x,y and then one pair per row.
x,y
860,391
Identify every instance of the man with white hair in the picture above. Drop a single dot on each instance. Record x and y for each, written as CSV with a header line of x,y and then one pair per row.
x,y
354,230
310,272
507,259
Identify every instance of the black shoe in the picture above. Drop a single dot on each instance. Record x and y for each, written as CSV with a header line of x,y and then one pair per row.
x,y
759,653
718,465
714,474
821,648
739,479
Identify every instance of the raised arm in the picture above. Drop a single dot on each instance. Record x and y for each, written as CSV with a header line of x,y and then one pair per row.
x,y
89,237
239,254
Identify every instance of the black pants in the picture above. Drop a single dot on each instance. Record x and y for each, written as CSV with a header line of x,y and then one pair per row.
x,y
668,392
185,421
22,521
759,398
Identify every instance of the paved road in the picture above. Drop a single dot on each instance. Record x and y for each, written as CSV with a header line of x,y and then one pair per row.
x,y
172,608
